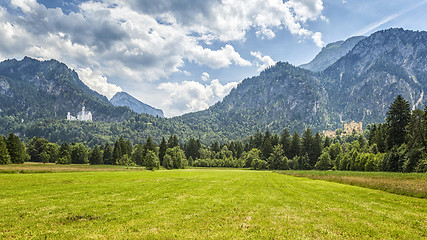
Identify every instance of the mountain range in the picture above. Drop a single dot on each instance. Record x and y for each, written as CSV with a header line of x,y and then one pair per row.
x,y
126,100
352,80
331,53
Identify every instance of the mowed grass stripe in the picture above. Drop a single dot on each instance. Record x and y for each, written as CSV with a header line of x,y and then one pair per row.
x,y
200,203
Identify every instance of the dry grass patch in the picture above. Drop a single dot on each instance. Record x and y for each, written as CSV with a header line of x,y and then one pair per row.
x,y
409,184
30,167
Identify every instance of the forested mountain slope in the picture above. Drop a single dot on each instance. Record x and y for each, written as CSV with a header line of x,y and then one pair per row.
x,y
32,89
281,96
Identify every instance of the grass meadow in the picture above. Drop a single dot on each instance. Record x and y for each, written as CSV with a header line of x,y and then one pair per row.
x,y
199,204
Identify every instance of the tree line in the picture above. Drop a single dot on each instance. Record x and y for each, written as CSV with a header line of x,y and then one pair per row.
x,y
398,145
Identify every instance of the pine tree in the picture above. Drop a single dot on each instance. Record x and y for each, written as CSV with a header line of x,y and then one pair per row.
x,y
317,148
285,141
162,150
173,141
16,149
215,148
95,156
192,149
266,146
295,146
4,154
117,152
149,145
398,117
327,142
308,147
64,154
107,156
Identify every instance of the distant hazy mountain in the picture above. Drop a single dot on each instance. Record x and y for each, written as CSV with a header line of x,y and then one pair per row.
x,y
331,53
32,89
124,99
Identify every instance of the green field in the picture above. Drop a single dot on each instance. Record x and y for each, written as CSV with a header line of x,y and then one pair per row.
x,y
200,204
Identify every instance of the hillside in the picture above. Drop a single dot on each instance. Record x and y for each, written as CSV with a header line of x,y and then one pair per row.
x,y
281,96
32,89
331,53
126,100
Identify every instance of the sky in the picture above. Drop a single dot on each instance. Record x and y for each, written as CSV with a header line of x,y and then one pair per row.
x,y
185,55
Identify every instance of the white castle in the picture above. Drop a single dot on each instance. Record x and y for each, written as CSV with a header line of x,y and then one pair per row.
x,y
81,116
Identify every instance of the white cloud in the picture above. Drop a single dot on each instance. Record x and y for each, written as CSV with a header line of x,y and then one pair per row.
x,y
145,40
216,59
263,61
205,76
95,80
190,96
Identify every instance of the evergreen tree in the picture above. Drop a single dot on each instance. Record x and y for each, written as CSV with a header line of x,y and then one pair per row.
x,y
372,132
117,152
192,148
295,146
362,141
416,129
215,148
266,146
239,150
16,149
79,154
173,141
149,146
398,117
308,147
64,154
162,150
95,156
285,141
327,142
257,140
317,148
4,154
107,156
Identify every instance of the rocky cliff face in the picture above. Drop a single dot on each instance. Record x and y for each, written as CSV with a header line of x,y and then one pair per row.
x,y
363,83
126,100
331,53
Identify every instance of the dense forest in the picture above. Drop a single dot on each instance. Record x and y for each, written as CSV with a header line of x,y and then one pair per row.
x,y
398,145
